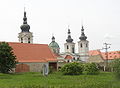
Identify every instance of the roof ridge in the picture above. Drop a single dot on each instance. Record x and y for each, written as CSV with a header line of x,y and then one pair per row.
x,y
27,43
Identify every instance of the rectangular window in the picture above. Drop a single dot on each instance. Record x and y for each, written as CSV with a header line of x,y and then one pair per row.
x,y
67,47
81,45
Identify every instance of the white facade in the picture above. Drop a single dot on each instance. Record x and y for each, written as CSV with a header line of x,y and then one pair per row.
x,y
25,37
83,49
69,47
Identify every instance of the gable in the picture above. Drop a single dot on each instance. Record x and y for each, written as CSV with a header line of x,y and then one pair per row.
x,y
68,57
96,59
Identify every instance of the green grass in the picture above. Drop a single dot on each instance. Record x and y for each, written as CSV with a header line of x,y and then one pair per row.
x,y
57,80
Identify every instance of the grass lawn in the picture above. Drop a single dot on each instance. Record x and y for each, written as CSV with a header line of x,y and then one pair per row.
x,y
56,80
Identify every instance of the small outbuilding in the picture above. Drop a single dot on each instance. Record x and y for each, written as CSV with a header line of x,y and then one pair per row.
x,y
32,57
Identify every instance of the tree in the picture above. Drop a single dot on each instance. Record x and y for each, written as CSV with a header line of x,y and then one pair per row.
x,y
91,68
7,58
116,68
72,69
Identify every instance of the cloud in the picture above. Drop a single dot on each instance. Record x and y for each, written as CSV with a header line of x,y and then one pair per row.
x,y
108,36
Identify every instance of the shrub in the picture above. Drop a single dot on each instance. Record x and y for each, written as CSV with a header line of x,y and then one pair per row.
x,y
116,67
91,69
72,69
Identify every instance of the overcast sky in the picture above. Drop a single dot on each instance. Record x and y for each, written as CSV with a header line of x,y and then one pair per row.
x,y
101,20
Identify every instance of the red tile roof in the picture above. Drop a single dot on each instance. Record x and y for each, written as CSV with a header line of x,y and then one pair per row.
x,y
68,57
57,55
32,52
111,54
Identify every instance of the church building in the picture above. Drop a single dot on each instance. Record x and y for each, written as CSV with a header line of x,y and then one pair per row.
x,y
70,55
32,57
42,57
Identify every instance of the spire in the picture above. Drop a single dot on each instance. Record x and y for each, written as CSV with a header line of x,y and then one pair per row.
x,y
24,18
25,27
53,39
69,39
82,30
82,37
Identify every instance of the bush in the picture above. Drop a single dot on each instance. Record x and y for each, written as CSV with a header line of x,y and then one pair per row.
x,y
116,67
91,69
72,69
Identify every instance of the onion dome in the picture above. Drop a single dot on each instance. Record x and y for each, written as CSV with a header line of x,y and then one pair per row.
x,y
53,44
25,27
69,39
82,37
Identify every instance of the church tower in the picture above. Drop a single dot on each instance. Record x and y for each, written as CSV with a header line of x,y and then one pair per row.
x,y
25,36
54,46
83,46
70,45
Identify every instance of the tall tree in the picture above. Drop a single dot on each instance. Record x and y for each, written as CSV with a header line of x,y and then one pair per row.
x,y
7,58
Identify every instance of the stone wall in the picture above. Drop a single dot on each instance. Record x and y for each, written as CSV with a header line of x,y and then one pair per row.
x,y
29,67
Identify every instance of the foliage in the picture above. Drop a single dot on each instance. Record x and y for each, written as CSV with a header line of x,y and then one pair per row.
x,y
116,67
72,69
7,58
57,80
91,68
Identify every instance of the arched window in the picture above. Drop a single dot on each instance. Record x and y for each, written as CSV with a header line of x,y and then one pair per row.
x,y
28,40
68,61
21,40
86,45
81,45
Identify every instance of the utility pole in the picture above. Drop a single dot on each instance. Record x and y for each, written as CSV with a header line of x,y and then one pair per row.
x,y
119,53
107,46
